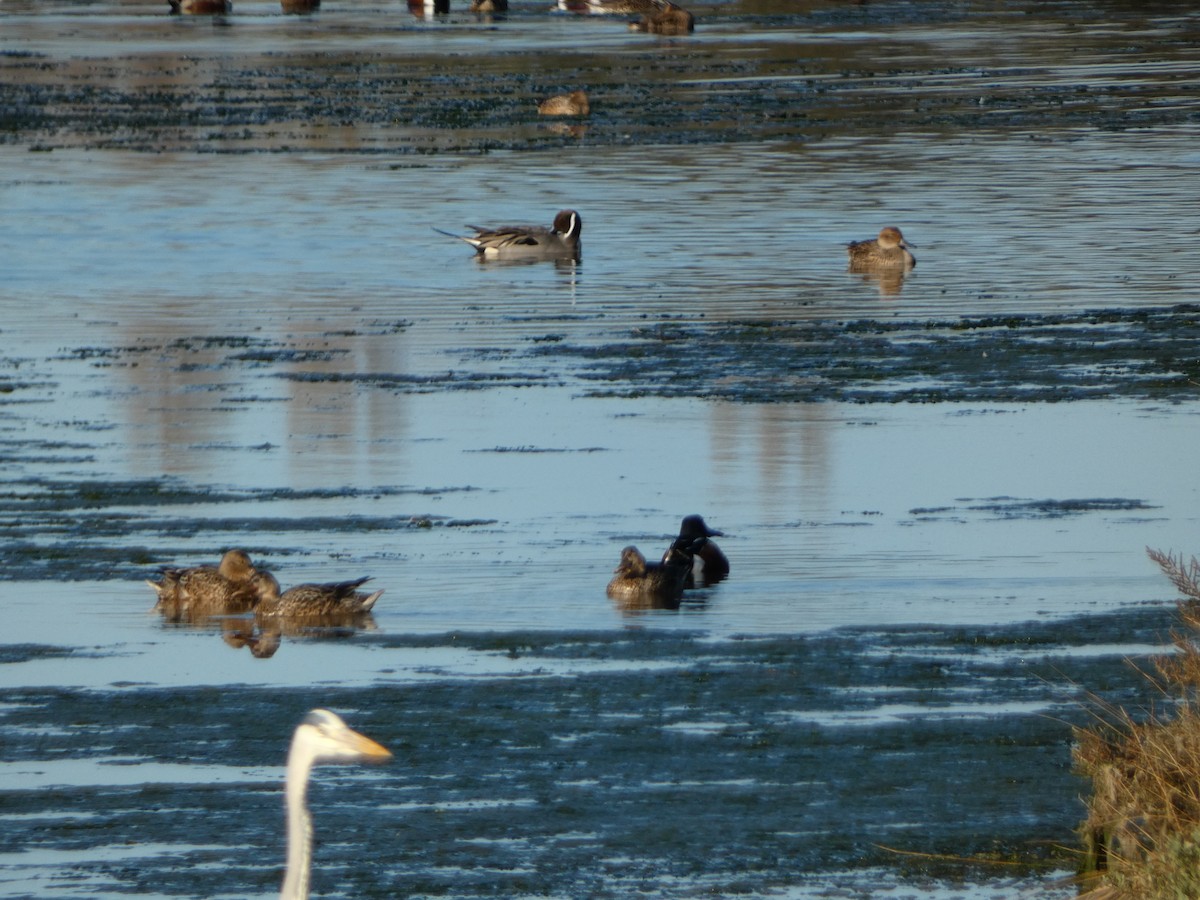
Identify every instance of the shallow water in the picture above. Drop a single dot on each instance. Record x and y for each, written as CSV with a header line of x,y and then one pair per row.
x,y
254,337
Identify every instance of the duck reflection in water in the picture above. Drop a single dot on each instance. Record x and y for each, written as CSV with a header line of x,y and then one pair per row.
x,y
188,595
263,637
889,282
638,584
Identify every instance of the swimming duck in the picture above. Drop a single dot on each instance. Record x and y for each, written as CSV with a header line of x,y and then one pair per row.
x,y
886,251
528,242
636,581
207,590
672,20
325,601
299,7
572,104
614,7
200,7
709,563
489,6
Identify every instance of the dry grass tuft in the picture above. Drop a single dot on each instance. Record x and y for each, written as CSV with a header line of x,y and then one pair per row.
x,y
1142,833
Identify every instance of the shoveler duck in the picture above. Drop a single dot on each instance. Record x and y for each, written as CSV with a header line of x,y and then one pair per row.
x,y
636,582
528,242
709,563
572,104
889,250
208,590
332,600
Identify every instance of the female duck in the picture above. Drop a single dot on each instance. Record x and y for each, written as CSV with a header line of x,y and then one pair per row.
x,y
889,250
207,590
333,600
637,582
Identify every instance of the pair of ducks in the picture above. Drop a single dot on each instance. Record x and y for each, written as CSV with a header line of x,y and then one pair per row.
x,y
562,241
236,586
693,558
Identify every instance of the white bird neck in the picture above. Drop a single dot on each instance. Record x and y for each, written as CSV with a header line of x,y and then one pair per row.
x,y
299,826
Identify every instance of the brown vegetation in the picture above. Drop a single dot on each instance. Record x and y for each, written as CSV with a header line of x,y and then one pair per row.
x,y
1142,832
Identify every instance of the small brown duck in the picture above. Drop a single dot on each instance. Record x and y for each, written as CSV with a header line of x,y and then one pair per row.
x,y
637,582
528,242
709,564
889,250
674,20
207,590
335,599
572,104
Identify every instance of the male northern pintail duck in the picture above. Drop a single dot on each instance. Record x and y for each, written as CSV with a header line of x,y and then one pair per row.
x,y
208,590
709,564
528,242
636,581
889,250
673,20
318,601
489,6
572,104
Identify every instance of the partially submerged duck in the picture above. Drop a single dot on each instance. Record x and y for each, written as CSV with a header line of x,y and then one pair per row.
x,y
637,582
572,104
889,250
709,564
528,242
208,590
332,600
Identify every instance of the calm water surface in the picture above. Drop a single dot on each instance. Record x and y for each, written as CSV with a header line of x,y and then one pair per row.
x,y
275,350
